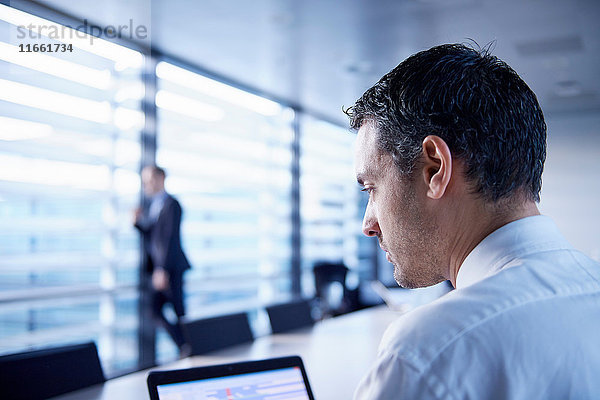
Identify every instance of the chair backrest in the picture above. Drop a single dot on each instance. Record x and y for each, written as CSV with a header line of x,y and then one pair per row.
x,y
216,333
327,273
288,316
50,372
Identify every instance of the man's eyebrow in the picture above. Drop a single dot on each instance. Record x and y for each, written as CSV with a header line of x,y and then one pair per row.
x,y
360,179
362,176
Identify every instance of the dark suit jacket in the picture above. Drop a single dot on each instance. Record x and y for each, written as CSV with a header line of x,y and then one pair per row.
x,y
162,241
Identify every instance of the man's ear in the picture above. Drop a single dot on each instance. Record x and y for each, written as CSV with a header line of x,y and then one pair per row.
x,y
437,166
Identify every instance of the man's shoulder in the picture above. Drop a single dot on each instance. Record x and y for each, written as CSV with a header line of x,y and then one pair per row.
x,y
171,201
419,335
514,294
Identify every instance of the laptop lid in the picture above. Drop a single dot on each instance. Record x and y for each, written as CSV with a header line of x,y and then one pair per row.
x,y
281,378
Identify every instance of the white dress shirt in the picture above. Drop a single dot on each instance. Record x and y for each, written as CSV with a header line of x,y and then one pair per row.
x,y
523,323
156,205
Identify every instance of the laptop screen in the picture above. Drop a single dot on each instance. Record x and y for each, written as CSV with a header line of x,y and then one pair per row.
x,y
285,384
271,379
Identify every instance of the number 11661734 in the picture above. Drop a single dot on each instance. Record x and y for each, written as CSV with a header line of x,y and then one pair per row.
x,y
46,48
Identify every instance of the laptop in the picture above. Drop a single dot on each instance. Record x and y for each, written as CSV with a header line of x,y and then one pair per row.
x,y
275,378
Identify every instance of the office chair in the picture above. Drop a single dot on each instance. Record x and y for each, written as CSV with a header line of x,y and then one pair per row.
x,y
288,316
216,333
50,372
326,275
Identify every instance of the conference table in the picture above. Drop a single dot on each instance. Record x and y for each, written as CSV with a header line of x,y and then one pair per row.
x,y
336,352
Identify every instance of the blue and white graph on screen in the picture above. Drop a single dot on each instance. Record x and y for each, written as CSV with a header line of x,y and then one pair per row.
x,y
281,384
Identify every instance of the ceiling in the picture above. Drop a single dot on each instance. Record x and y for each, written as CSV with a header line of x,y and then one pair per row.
x,y
323,54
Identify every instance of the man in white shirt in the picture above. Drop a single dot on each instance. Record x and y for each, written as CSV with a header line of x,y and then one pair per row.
x,y
451,146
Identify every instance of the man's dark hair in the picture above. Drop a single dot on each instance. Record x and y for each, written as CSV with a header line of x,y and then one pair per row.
x,y
476,103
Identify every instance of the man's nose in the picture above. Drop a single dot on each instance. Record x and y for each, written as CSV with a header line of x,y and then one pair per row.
x,y
370,226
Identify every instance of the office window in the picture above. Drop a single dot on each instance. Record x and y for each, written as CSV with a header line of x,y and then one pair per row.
x,y
227,154
329,198
69,153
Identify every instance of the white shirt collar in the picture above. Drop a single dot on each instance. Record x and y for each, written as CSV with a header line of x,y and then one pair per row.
x,y
515,239
161,195
156,204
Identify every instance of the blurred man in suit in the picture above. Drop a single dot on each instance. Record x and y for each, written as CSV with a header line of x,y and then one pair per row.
x,y
160,223
451,147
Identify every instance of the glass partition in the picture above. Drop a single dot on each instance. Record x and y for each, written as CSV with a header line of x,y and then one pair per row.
x,y
227,154
330,214
69,154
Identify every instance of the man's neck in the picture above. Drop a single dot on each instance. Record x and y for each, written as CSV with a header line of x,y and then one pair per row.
x,y
472,228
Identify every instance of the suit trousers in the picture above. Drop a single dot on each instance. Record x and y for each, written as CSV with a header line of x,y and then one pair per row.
x,y
173,296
